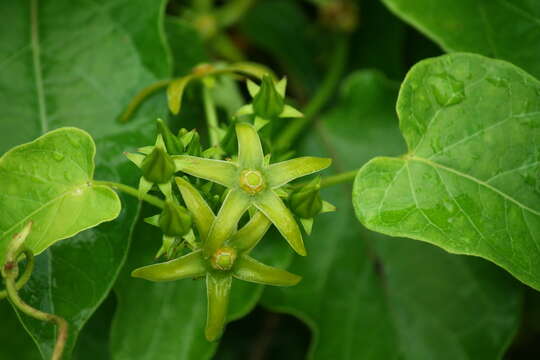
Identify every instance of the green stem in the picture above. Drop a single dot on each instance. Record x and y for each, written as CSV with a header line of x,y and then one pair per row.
x,y
23,279
10,272
232,11
61,324
133,192
338,178
333,179
322,96
211,115
140,97
224,47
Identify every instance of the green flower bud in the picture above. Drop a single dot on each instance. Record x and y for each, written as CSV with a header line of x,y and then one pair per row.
x,y
175,220
158,167
306,202
268,103
172,143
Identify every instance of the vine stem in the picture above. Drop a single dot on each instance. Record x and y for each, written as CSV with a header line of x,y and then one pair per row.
x,y
151,199
338,178
211,115
322,96
10,272
23,279
61,324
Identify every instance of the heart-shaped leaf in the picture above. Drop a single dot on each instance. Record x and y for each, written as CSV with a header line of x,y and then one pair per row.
x,y
470,182
368,296
69,63
49,182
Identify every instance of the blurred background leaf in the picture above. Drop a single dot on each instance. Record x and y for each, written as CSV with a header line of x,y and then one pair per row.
x,y
368,296
502,29
78,64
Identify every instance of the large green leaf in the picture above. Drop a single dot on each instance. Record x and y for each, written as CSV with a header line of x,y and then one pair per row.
x,y
14,339
506,29
470,180
49,182
79,63
169,317
367,296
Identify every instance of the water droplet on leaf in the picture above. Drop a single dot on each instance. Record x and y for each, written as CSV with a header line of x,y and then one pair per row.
x,y
497,81
447,90
58,156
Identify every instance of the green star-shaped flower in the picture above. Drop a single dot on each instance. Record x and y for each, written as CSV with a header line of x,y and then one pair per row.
x,y
251,182
228,261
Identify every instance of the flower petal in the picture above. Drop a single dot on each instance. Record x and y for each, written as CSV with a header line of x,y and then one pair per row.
x,y
202,215
250,234
187,266
218,171
250,152
218,288
275,210
281,173
235,204
248,269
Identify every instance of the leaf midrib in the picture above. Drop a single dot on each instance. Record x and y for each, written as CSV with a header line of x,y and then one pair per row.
x,y
472,178
36,62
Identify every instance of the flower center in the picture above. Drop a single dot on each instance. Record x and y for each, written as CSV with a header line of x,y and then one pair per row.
x,y
251,181
224,258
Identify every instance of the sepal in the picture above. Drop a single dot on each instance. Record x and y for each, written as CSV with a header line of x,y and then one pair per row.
x,y
188,266
172,143
251,270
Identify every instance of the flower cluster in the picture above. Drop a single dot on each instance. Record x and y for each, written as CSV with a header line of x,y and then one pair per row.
x,y
247,185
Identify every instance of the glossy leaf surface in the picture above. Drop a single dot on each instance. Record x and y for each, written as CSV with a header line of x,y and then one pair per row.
x,y
49,182
367,296
470,180
77,63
